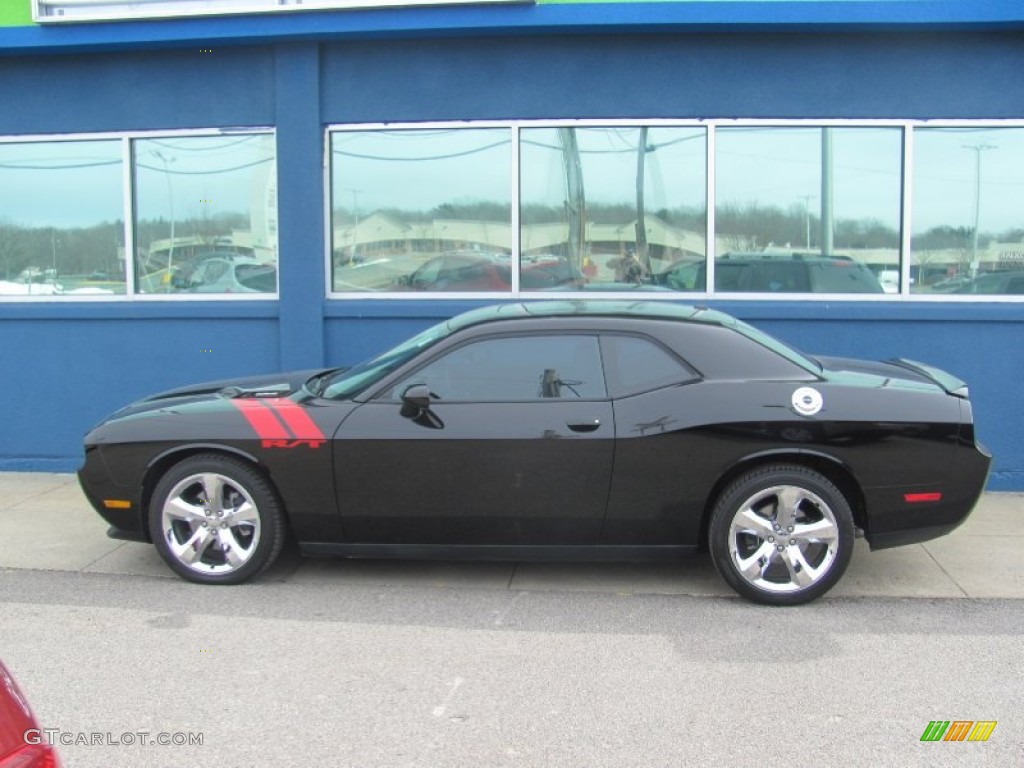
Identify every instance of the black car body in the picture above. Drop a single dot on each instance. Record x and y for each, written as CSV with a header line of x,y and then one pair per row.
x,y
583,428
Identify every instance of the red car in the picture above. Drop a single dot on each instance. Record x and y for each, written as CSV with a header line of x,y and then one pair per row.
x,y
23,744
473,272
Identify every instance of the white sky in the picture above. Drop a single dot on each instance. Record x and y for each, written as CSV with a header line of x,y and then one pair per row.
x,y
80,183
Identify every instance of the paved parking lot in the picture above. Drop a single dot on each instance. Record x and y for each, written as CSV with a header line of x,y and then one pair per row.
x,y
46,524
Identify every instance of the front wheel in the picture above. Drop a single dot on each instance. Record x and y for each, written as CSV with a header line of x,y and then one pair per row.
x,y
781,535
216,520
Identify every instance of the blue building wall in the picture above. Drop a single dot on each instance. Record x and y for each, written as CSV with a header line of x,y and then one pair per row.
x,y
64,365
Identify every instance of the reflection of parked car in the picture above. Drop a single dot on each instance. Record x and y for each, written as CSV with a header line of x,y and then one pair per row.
x,y
32,275
23,743
238,275
1006,283
681,276
950,284
551,274
890,280
588,428
458,272
740,273
182,274
473,272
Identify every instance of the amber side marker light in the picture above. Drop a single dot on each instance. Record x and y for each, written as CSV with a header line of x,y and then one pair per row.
x,y
117,504
916,498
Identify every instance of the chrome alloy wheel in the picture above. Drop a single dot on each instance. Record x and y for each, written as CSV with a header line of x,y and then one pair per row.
x,y
783,539
210,523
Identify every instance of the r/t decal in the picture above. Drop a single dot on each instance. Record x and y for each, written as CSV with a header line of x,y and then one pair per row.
x,y
291,443
280,423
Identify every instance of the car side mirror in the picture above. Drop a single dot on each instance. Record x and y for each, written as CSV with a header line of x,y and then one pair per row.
x,y
416,406
415,400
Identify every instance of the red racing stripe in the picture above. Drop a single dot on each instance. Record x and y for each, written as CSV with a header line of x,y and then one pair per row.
x,y
262,419
298,421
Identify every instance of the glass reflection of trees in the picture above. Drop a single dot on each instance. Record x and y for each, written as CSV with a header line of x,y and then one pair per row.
x,y
61,226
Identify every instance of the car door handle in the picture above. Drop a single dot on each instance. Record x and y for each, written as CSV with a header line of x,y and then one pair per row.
x,y
584,426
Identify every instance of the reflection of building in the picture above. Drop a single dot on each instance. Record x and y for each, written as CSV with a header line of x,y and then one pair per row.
x,y
380,234
185,248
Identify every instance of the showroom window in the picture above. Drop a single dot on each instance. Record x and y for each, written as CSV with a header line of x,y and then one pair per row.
x,y
610,208
179,215
61,218
205,214
876,210
416,211
968,223
807,210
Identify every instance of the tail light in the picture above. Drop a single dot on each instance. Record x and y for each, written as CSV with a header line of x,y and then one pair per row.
x,y
31,756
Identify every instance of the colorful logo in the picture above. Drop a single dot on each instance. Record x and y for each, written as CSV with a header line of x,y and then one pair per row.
x,y
958,730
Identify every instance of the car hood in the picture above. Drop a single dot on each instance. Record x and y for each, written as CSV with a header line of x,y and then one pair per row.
x,y
266,385
898,372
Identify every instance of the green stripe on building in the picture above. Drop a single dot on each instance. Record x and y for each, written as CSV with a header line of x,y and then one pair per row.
x,y
15,13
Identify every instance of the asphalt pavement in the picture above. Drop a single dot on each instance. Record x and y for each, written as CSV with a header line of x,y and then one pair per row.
x,y
47,525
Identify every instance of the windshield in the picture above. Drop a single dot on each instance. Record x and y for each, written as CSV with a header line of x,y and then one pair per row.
x,y
352,381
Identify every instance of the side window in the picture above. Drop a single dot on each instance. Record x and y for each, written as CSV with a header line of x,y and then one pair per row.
x,y
636,365
515,369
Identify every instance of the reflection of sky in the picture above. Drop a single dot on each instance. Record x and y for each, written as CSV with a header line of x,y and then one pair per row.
x,y
673,174
199,176
417,170
79,183
61,184
945,174
781,167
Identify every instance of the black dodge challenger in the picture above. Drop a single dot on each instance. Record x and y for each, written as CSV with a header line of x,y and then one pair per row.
x,y
557,430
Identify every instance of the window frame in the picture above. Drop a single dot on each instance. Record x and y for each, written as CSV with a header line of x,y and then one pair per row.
x,y
127,140
711,125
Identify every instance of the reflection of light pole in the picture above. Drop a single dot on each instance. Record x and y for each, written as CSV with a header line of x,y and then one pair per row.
x,y
643,252
977,149
53,239
170,200
807,217
355,218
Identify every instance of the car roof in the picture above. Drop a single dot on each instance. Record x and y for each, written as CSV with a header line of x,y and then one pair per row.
x,y
621,308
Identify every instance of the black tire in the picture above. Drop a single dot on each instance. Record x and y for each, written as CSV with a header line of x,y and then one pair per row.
x,y
216,520
781,534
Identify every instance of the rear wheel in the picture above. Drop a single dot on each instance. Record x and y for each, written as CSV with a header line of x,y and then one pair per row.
x,y
781,535
216,520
